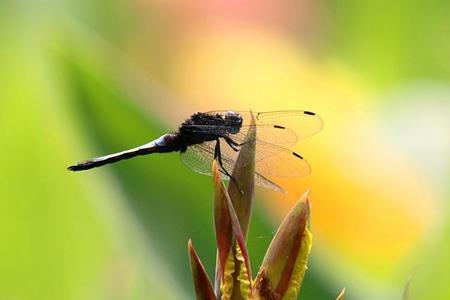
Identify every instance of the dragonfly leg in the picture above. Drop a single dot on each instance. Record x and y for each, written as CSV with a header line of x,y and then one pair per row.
x,y
218,155
244,143
233,145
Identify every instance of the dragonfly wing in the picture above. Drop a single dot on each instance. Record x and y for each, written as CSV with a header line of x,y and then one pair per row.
x,y
280,127
303,123
199,158
280,162
264,182
268,133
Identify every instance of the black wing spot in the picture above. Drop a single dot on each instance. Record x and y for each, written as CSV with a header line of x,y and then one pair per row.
x,y
279,127
309,113
297,155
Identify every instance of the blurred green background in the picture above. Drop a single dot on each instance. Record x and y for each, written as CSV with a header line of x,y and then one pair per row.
x,y
84,78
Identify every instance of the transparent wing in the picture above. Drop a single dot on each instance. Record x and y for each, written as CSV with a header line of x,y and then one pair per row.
x,y
277,162
280,162
271,160
268,133
279,127
199,158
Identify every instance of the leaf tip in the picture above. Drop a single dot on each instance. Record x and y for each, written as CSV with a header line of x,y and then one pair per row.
x,y
190,247
341,295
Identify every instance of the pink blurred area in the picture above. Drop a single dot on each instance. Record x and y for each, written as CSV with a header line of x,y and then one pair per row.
x,y
284,15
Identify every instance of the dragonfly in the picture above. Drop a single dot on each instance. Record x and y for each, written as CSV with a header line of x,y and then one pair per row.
x,y
221,135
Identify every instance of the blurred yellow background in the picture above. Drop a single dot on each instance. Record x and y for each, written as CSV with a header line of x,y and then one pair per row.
x,y
83,78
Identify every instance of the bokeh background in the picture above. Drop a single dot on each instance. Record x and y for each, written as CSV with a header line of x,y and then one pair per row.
x,y
89,77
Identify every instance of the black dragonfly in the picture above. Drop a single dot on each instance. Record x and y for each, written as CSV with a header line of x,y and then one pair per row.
x,y
221,134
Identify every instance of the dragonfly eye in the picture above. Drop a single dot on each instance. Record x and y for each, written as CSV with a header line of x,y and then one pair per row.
x,y
233,121
232,117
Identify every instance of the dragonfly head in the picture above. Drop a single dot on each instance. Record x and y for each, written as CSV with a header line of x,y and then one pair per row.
x,y
233,121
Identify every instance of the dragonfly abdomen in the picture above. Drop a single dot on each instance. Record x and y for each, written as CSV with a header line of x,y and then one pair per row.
x,y
166,143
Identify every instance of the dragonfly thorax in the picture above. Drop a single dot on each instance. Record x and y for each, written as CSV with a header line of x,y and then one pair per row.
x,y
215,124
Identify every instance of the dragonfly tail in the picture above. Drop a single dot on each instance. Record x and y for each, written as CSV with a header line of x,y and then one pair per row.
x,y
112,158
152,147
